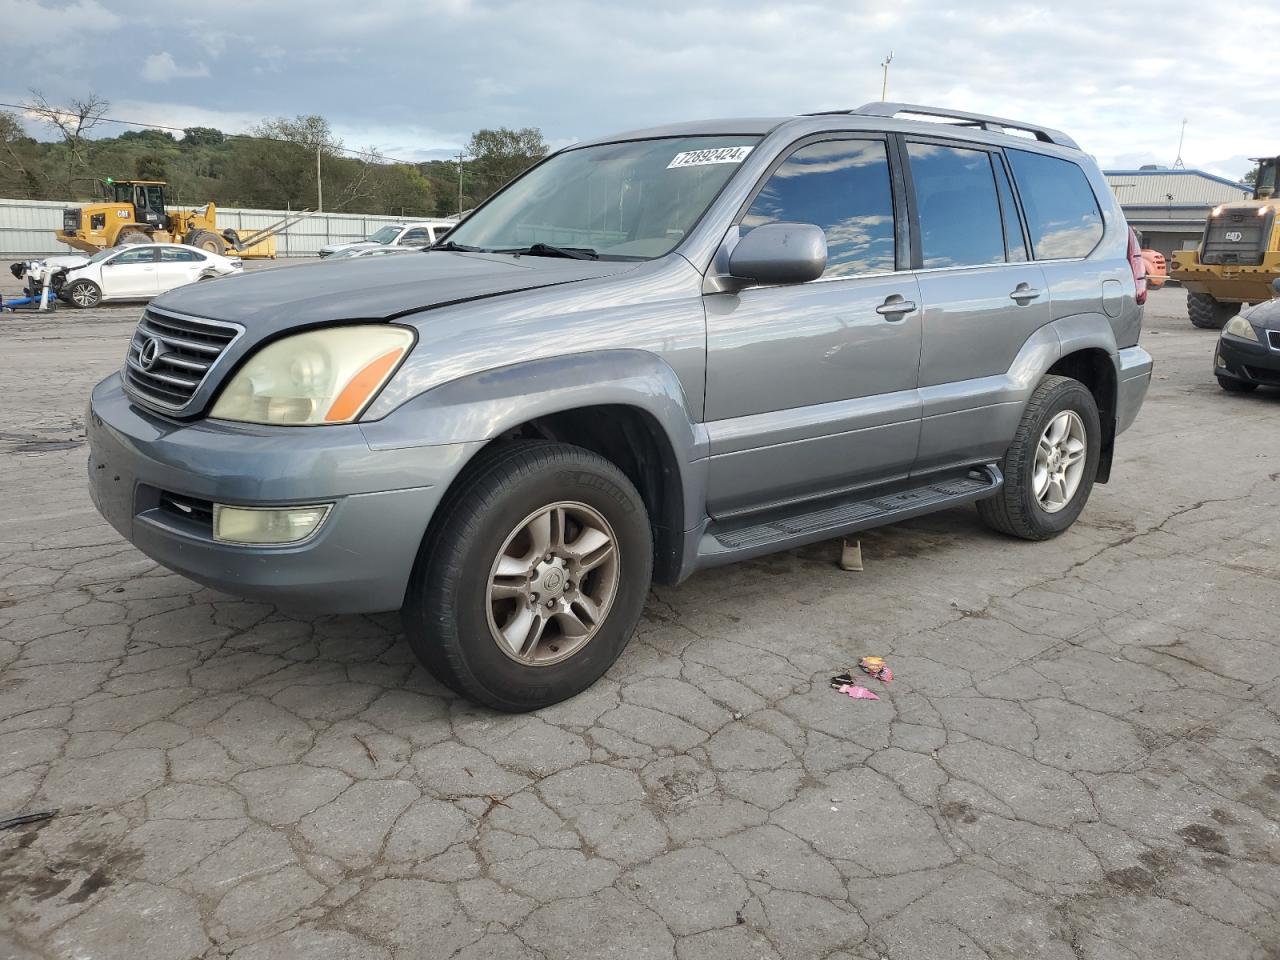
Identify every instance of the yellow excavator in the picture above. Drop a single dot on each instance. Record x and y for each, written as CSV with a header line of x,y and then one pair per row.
x,y
1238,257
136,211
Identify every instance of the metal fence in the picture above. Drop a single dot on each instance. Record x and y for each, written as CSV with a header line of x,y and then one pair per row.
x,y
27,227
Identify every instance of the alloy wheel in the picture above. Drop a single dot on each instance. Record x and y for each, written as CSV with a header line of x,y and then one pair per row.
x,y
1060,461
552,583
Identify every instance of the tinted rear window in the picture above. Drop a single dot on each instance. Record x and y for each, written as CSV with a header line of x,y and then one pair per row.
x,y
956,199
1062,213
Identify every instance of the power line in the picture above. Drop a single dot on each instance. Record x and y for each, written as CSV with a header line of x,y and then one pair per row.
x,y
368,155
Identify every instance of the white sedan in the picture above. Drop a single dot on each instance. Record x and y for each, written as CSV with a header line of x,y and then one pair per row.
x,y
140,271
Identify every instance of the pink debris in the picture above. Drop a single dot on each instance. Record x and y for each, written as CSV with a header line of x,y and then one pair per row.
x,y
858,693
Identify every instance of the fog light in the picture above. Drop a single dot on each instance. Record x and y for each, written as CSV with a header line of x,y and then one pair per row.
x,y
267,525
1220,362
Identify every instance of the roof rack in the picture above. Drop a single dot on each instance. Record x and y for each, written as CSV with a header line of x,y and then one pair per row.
x,y
879,108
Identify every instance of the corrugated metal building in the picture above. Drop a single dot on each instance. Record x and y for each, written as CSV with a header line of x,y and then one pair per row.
x,y
1169,207
27,227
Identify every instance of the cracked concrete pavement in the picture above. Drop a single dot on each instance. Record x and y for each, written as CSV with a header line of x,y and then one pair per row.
x,y
1078,758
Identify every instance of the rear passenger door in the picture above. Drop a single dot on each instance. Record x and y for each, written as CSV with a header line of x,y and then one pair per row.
x,y
811,387
981,296
178,266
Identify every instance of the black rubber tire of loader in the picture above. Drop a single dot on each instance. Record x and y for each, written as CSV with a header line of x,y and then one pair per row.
x,y
1207,313
206,241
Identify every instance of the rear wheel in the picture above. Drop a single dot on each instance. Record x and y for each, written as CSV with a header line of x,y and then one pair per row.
x,y
1207,313
128,237
1050,466
207,241
532,585
1236,386
83,294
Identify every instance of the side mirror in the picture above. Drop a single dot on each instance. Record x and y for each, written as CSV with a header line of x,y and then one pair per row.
x,y
1275,285
777,253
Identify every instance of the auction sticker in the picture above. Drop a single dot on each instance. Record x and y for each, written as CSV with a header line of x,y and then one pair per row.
x,y
698,158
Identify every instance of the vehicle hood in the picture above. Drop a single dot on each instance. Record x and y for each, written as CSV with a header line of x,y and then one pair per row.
x,y
372,288
65,261
1265,314
349,245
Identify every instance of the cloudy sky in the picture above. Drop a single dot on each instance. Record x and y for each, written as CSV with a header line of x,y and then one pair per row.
x,y
413,78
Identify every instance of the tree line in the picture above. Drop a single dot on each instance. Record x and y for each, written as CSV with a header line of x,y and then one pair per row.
x,y
272,166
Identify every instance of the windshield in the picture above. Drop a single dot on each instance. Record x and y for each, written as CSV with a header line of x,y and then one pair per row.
x,y
103,254
634,200
1265,187
385,235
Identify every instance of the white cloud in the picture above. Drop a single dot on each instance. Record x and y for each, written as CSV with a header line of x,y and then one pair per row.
x,y
34,22
414,75
161,68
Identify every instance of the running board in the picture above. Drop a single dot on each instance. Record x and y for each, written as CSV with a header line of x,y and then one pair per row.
x,y
728,541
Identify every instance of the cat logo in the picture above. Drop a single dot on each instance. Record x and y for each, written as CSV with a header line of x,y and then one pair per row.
x,y
1234,236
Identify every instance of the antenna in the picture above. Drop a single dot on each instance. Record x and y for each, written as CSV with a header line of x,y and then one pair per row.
x,y
1178,164
884,86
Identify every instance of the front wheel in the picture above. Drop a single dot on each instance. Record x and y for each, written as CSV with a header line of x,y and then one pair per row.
x,y
83,294
1050,466
1232,385
531,586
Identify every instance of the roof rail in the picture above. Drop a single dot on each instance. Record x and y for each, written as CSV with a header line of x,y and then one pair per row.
x,y
879,108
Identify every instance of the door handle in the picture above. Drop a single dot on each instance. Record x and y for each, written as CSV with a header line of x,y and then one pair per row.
x,y
895,308
1024,291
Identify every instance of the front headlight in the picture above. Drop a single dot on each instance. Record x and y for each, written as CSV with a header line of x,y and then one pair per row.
x,y
323,376
1238,326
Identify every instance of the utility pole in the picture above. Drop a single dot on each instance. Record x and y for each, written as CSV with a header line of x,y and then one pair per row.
x,y
1177,163
461,157
319,185
884,86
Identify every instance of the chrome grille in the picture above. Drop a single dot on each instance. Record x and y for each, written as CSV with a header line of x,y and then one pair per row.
x,y
1273,337
168,375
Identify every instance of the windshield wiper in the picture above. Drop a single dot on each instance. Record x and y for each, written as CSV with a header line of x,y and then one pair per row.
x,y
547,250
450,245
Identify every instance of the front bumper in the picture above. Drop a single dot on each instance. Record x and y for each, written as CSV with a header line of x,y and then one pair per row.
x,y
1247,361
358,561
1133,378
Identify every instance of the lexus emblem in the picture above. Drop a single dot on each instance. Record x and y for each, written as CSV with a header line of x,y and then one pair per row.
x,y
150,353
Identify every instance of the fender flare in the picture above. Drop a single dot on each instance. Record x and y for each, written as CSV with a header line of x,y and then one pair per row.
x,y
482,406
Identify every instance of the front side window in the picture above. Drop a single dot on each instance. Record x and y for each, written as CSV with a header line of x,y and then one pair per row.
x,y
960,223
417,236
634,200
1062,212
144,255
842,186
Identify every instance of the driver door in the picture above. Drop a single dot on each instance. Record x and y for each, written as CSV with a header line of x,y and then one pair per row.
x,y
131,274
811,387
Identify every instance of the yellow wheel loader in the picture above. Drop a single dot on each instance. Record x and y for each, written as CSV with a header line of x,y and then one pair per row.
x,y
1238,257
136,211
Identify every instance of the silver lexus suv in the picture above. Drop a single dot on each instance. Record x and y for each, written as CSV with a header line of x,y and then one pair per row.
x,y
651,353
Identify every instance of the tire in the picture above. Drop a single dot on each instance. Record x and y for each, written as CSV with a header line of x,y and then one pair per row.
x,y
82,294
1207,313
454,622
206,241
1016,509
1236,386
128,237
